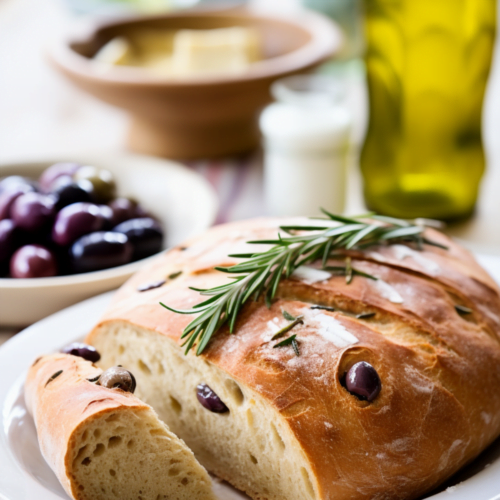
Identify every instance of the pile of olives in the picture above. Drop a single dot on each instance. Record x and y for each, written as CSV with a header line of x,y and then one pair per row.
x,y
70,221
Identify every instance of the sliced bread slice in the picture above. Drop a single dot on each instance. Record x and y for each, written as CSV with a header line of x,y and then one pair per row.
x,y
104,443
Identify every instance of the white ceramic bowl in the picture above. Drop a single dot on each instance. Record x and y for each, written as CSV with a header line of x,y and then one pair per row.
x,y
182,200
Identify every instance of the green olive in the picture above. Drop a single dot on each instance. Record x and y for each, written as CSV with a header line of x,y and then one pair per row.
x,y
102,181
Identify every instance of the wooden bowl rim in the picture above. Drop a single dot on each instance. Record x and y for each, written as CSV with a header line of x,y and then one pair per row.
x,y
326,39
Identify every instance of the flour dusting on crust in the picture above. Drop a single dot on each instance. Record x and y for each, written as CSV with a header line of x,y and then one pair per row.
x,y
273,327
387,291
329,328
310,275
402,252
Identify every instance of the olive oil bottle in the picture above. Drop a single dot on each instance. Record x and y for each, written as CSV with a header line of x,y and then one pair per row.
x,y
427,63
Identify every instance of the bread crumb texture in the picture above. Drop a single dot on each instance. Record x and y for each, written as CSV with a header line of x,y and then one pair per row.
x,y
132,455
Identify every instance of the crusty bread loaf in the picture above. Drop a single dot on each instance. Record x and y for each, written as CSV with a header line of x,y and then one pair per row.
x,y
104,443
293,431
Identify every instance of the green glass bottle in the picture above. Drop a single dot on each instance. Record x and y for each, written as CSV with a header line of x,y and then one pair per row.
x,y
427,63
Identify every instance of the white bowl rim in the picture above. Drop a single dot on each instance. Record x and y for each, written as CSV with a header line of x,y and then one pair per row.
x,y
76,279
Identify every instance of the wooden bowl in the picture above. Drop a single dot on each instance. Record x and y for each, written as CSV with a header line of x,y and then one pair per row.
x,y
198,117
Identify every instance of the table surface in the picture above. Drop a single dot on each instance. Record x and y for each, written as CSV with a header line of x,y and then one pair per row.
x,y
43,115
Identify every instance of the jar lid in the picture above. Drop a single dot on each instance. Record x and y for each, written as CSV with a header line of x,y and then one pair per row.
x,y
310,113
306,128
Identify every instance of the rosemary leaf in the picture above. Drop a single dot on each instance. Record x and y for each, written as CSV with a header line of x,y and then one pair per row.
x,y
336,270
285,342
209,331
365,275
342,271
360,235
295,346
434,243
275,280
401,232
288,316
339,218
348,270
391,220
287,328
304,228
326,251
268,302
189,343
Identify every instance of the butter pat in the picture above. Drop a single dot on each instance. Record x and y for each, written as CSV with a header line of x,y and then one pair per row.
x,y
116,52
224,50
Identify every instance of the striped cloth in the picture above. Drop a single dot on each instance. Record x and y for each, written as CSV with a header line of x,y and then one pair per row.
x,y
238,183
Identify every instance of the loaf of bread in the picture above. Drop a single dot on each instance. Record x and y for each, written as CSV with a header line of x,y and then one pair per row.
x,y
104,443
288,427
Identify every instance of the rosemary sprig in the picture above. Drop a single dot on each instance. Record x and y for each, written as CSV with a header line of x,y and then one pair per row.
x,y
260,272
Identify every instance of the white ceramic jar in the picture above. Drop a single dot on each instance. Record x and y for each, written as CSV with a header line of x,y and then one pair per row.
x,y
306,140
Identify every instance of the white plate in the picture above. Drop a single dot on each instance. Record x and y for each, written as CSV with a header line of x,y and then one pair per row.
x,y
24,475
182,200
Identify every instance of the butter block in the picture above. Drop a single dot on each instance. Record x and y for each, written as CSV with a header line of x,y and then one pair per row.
x,y
116,52
223,50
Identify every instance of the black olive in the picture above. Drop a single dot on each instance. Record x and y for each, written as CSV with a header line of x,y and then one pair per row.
x,y
209,400
67,191
362,381
83,351
150,286
326,308
52,377
463,309
144,233
100,250
117,378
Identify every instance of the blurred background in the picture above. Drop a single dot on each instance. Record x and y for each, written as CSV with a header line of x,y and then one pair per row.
x,y
392,106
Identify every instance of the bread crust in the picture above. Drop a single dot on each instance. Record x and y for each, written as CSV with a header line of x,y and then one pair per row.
x,y
439,406
63,403
57,422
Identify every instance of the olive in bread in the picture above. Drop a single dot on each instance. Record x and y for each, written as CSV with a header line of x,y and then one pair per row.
x,y
101,441
376,387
